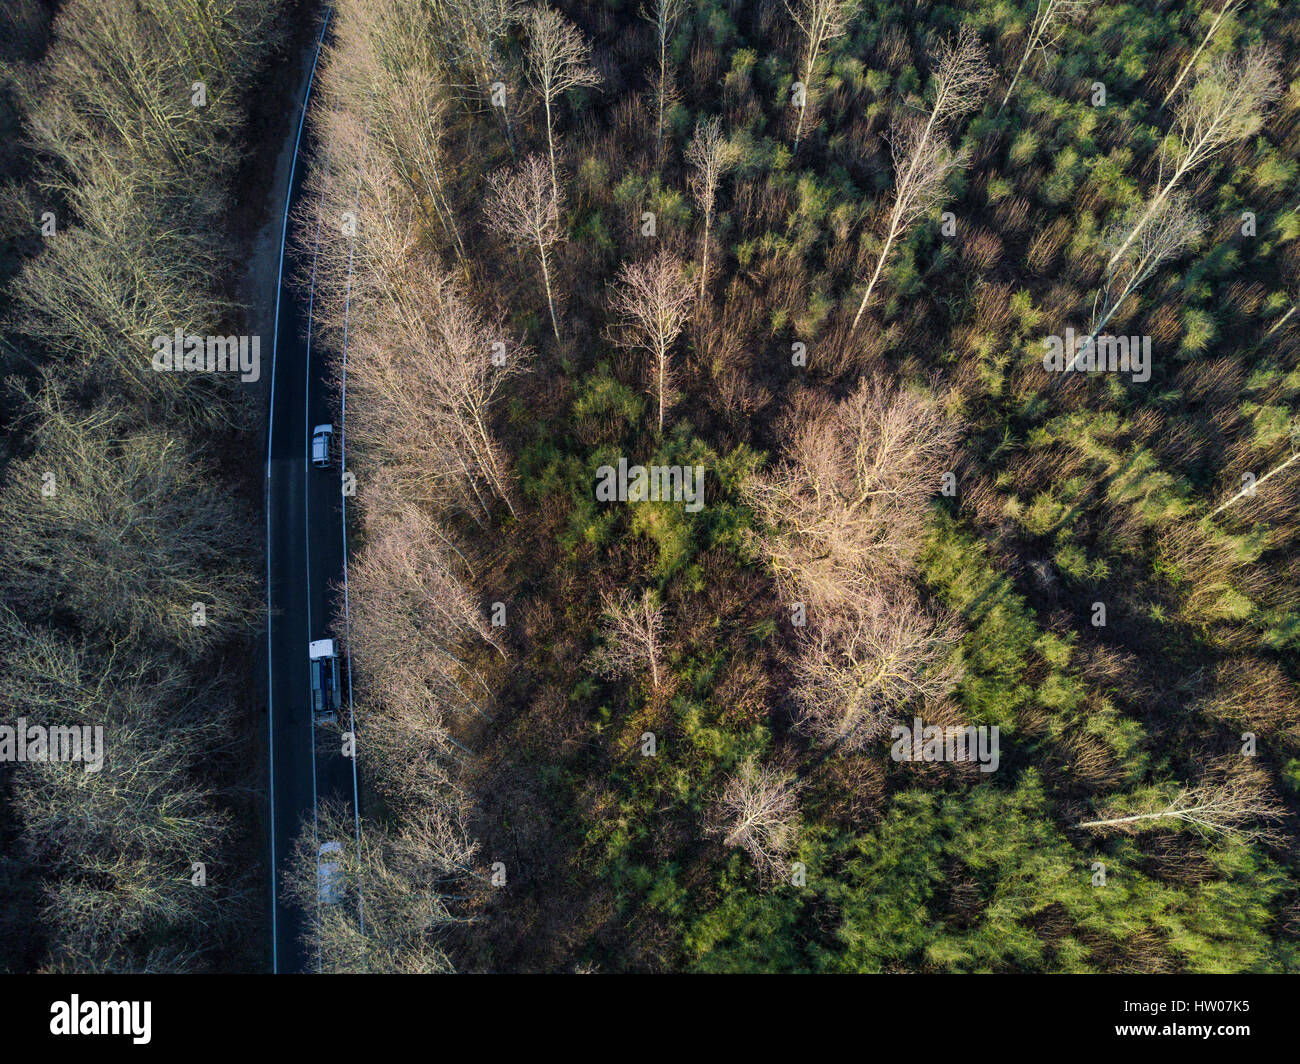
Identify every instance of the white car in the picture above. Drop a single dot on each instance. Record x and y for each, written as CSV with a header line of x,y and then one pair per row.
x,y
322,445
329,873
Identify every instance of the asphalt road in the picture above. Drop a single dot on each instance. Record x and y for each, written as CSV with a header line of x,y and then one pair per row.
x,y
304,545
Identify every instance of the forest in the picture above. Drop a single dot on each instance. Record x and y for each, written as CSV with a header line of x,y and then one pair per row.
x,y
128,599
827,494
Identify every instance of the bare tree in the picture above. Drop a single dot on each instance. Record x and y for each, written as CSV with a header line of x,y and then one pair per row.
x,y
383,901
860,669
383,72
125,575
420,646
758,811
424,365
427,368
136,166
1050,20
819,21
110,841
1281,321
122,527
709,155
415,625
922,165
483,25
922,160
1228,7
1226,104
558,60
107,101
1253,489
96,311
962,78
653,301
843,514
413,124
633,636
526,212
1234,799
1169,230
664,16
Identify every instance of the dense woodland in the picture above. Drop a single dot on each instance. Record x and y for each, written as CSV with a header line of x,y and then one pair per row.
x,y
813,247
124,499
1098,161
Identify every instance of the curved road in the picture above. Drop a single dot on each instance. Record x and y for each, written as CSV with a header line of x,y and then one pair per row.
x,y
304,559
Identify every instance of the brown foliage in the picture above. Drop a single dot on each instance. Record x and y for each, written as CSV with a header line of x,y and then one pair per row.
x,y
843,512
757,811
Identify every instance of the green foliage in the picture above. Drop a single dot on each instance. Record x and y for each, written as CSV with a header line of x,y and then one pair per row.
x,y
984,882
1096,489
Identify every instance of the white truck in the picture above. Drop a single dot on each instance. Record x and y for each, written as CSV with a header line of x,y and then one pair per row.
x,y
329,873
324,681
